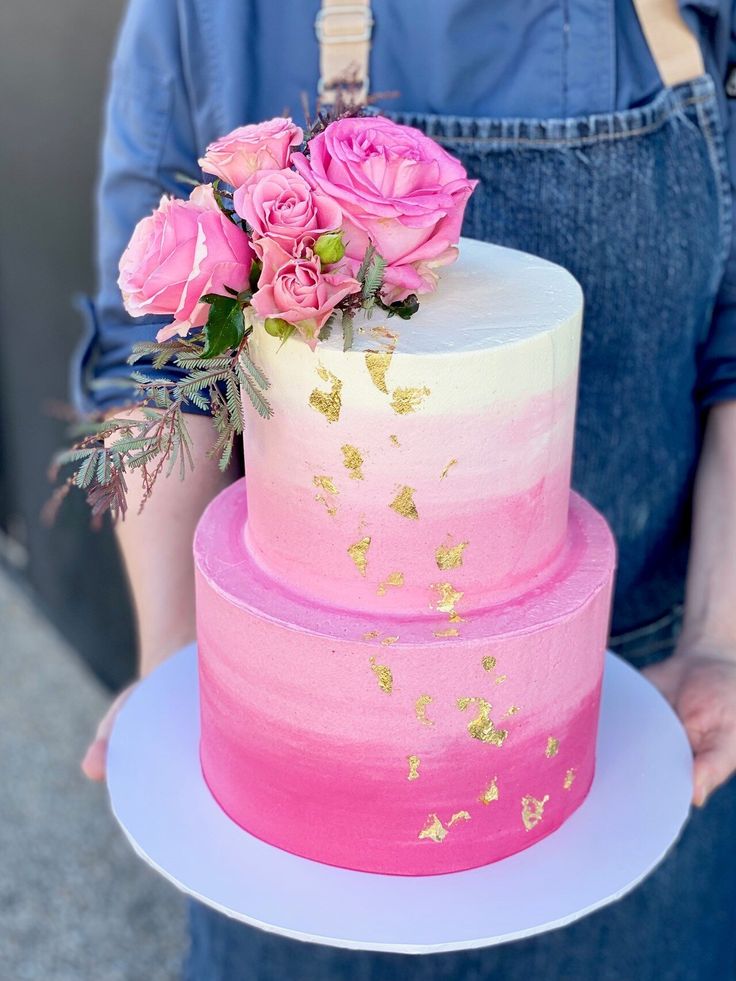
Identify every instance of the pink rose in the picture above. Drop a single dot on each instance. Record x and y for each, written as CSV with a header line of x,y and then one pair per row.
x,y
283,206
182,251
296,289
262,146
398,190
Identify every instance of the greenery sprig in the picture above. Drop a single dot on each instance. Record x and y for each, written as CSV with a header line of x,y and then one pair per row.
x,y
156,440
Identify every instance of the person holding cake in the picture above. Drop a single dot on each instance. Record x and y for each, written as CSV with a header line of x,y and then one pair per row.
x,y
602,142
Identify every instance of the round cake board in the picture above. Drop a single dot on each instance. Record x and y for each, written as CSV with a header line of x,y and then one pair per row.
x,y
636,808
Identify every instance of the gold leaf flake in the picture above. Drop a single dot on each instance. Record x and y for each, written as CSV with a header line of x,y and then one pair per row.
x,y
553,746
569,777
445,472
433,830
532,810
458,816
371,635
490,793
392,579
328,403
388,641
394,439
489,662
501,678
383,673
326,483
406,400
448,596
353,461
512,710
359,554
377,363
456,618
321,499
413,767
420,707
450,556
447,632
403,503
482,726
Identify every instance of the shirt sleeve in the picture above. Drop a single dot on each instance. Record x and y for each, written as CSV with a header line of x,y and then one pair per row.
x,y
717,362
148,144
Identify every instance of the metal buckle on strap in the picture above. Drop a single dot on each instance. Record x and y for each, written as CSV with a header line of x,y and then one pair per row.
x,y
325,89
344,33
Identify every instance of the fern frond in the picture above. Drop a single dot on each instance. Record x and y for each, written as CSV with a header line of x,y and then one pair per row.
x,y
373,279
200,399
347,330
234,405
324,334
104,468
258,401
192,361
198,380
85,474
255,372
367,259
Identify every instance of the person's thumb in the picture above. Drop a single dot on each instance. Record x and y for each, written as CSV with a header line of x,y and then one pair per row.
x,y
94,762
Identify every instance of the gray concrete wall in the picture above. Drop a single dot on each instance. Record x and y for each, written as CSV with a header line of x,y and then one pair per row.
x,y
53,69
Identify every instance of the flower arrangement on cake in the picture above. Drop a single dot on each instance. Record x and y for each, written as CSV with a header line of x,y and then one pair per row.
x,y
297,232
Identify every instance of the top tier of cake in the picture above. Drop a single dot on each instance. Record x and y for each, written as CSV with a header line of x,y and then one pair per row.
x,y
428,468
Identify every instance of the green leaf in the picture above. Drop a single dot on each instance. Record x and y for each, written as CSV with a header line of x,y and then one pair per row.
x,y
405,308
224,328
255,271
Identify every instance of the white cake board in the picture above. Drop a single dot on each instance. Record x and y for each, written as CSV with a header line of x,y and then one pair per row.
x,y
635,810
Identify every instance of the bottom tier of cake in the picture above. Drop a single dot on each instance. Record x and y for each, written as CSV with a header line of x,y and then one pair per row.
x,y
410,747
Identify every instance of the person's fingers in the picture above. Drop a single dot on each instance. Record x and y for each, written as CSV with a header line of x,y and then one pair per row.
x,y
715,762
108,719
666,676
94,762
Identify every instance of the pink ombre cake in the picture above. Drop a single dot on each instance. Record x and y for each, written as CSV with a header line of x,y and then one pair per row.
x,y
402,610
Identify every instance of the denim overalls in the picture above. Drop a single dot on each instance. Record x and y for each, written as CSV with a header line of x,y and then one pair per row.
x,y
636,204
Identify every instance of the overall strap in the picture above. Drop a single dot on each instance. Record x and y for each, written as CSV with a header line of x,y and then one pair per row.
x,y
344,34
674,48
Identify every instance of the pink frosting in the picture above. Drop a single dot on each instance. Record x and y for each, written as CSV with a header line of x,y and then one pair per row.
x,y
308,724
505,496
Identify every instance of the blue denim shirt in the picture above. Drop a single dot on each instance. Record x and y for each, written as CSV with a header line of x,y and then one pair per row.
x,y
187,71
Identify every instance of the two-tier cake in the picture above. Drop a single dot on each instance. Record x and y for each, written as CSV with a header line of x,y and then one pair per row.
x,y
402,610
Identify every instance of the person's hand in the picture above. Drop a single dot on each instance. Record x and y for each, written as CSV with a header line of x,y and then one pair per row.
x,y
94,763
700,684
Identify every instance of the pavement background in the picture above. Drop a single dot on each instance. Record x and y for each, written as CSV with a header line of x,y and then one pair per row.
x,y
75,902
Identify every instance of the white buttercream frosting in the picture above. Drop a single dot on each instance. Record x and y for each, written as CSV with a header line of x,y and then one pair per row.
x,y
502,325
